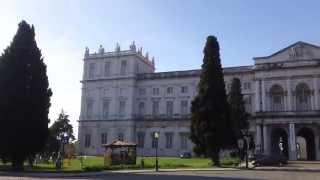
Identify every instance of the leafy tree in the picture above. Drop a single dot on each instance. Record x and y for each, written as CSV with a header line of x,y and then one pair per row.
x,y
238,115
60,127
210,124
25,98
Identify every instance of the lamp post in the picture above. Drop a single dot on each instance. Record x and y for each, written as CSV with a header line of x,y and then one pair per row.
x,y
156,136
64,140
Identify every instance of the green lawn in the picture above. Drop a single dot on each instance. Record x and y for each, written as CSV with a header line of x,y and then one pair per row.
x,y
96,163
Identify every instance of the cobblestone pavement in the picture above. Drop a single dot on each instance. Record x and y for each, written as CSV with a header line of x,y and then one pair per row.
x,y
196,175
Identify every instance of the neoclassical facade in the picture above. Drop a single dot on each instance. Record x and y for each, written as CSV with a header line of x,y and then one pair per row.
x,y
124,98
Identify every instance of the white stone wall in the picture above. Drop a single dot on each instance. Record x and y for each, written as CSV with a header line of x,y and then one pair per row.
x,y
287,68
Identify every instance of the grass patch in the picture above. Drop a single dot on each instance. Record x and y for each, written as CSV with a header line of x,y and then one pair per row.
x,y
96,163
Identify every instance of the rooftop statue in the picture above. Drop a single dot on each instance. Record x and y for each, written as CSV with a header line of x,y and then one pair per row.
x,y
117,48
101,49
133,46
86,53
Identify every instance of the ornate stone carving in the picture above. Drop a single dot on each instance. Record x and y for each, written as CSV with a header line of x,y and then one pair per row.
x,y
117,48
296,52
133,46
101,49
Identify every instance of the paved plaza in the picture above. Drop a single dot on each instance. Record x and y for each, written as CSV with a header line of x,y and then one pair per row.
x,y
194,175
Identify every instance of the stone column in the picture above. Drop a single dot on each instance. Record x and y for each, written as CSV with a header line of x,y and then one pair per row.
x,y
316,93
258,138
289,96
265,139
257,96
263,96
292,142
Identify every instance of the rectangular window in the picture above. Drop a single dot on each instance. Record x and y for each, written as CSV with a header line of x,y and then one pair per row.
x,y
87,141
155,91
104,138
140,137
142,91
170,90
154,140
247,85
107,68
123,69
89,108
184,140
169,108
121,137
141,108
105,108
92,68
184,107
169,140
122,108
155,108
184,89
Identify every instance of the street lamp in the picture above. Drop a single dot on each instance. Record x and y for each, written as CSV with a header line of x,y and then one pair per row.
x,y
156,136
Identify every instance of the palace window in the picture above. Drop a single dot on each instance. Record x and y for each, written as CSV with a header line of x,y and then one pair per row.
x,y
104,138
169,140
184,89
155,91
89,108
107,68
105,108
170,90
303,97
169,108
123,68
247,85
184,140
92,68
277,98
184,107
120,136
155,107
140,136
142,91
122,107
141,108
87,141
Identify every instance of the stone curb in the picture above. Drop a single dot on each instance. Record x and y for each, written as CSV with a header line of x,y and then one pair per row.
x,y
287,169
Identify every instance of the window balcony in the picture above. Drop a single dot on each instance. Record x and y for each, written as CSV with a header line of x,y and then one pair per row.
x,y
279,114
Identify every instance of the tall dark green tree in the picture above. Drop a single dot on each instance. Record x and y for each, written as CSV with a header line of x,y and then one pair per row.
x,y
25,98
238,115
210,124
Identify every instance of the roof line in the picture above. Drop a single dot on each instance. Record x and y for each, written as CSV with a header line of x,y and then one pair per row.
x,y
282,50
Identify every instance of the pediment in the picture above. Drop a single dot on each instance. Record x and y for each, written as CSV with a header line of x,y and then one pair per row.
x,y
295,52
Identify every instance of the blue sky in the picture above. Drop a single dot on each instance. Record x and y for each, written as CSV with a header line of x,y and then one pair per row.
x,y
174,31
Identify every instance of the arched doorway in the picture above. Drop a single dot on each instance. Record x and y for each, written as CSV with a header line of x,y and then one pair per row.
x,y
278,134
309,145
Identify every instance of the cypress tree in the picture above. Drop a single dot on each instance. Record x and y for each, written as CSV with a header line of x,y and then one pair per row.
x,y
25,98
210,125
238,115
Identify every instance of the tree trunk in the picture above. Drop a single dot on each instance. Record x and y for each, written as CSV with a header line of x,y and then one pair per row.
x,y
215,157
17,165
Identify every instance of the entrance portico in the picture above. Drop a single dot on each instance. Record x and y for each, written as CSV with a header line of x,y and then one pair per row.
x,y
300,140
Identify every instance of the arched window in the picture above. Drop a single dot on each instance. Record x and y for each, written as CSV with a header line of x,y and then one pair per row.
x,y
277,98
303,97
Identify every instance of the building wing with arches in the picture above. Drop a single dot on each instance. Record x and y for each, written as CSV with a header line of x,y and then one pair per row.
x,y
124,98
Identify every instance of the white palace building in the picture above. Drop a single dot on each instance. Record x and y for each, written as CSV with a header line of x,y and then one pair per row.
x,y
124,98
